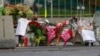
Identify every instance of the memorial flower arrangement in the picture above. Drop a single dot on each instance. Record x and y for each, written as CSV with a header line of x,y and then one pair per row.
x,y
17,10
39,33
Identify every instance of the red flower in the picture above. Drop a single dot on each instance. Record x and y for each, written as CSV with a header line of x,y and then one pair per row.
x,y
34,23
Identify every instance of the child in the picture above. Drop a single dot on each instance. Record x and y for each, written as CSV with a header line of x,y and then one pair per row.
x,y
21,29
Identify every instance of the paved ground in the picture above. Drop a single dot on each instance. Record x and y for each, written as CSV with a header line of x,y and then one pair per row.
x,y
52,51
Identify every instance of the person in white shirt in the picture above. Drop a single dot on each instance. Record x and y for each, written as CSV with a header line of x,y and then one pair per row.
x,y
21,28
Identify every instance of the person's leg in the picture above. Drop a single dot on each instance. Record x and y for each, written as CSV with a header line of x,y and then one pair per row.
x,y
89,44
19,38
21,41
86,43
92,44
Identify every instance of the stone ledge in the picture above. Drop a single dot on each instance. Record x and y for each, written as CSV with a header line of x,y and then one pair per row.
x,y
7,43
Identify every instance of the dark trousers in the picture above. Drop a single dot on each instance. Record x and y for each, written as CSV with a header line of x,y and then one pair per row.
x,y
20,40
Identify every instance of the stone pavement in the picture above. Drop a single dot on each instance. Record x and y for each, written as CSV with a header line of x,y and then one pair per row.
x,y
52,51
